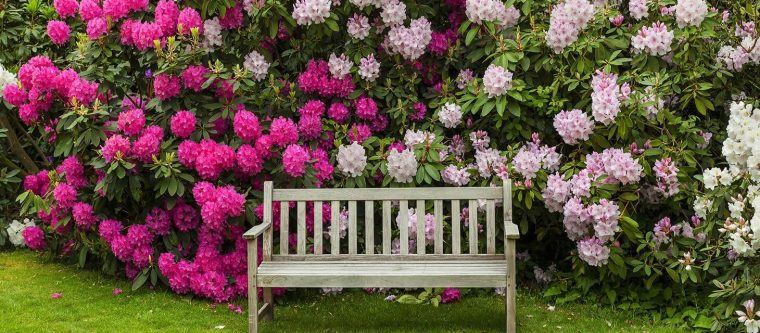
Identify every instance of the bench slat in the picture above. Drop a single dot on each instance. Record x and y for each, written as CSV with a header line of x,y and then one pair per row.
x,y
318,227
352,227
403,213
410,274
369,227
456,228
388,257
490,227
301,228
386,227
473,221
420,227
268,233
438,211
361,194
335,227
284,222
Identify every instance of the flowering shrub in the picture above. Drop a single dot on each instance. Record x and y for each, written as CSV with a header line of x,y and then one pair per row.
x,y
164,119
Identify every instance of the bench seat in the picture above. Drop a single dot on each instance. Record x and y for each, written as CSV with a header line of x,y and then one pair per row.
x,y
398,274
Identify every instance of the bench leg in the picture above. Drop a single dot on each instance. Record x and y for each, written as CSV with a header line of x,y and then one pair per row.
x,y
510,291
253,295
269,299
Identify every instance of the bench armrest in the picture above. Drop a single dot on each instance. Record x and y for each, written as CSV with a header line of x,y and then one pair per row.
x,y
256,231
511,231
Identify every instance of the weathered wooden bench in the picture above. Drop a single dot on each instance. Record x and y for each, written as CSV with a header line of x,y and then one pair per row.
x,y
363,265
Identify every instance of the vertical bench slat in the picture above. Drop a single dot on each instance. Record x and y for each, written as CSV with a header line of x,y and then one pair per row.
x,y
473,221
456,228
490,227
403,213
284,212
317,227
335,228
301,228
369,227
438,211
268,234
420,226
386,227
352,227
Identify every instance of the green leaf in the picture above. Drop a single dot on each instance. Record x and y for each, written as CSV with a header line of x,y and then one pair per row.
x,y
140,280
82,257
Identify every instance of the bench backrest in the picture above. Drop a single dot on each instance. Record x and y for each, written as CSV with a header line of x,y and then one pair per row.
x,y
372,221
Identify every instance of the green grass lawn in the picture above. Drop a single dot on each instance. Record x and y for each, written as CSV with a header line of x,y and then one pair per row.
x,y
87,305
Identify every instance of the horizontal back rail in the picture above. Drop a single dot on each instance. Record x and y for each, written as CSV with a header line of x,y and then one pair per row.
x,y
363,194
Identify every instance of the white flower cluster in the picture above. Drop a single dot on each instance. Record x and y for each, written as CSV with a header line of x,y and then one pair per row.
x,y
6,78
212,33
339,66
497,80
736,57
410,42
450,115
394,13
308,12
690,12
413,138
358,26
742,147
638,9
402,166
352,159
456,176
369,68
256,64
492,11
742,152
566,22
16,229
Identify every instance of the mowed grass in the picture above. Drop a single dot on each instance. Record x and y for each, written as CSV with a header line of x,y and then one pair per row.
x,y
27,282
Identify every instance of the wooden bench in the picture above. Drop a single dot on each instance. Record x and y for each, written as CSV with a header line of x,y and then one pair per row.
x,y
369,264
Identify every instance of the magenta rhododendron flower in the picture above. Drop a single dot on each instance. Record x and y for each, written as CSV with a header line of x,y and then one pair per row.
x,y
34,238
58,31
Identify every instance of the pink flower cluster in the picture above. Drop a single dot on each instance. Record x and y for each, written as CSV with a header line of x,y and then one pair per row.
x,y
143,148
58,31
617,165
41,82
566,22
134,249
208,158
666,173
605,102
410,42
246,125
37,183
34,238
317,79
183,124
654,40
533,157
593,251
217,204
573,126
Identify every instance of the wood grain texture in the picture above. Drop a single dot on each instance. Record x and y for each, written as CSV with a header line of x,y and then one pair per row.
x,y
284,225
362,274
387,227
369,227
456,228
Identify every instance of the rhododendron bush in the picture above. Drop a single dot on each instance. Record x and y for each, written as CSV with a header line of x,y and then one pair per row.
x,y
163,119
